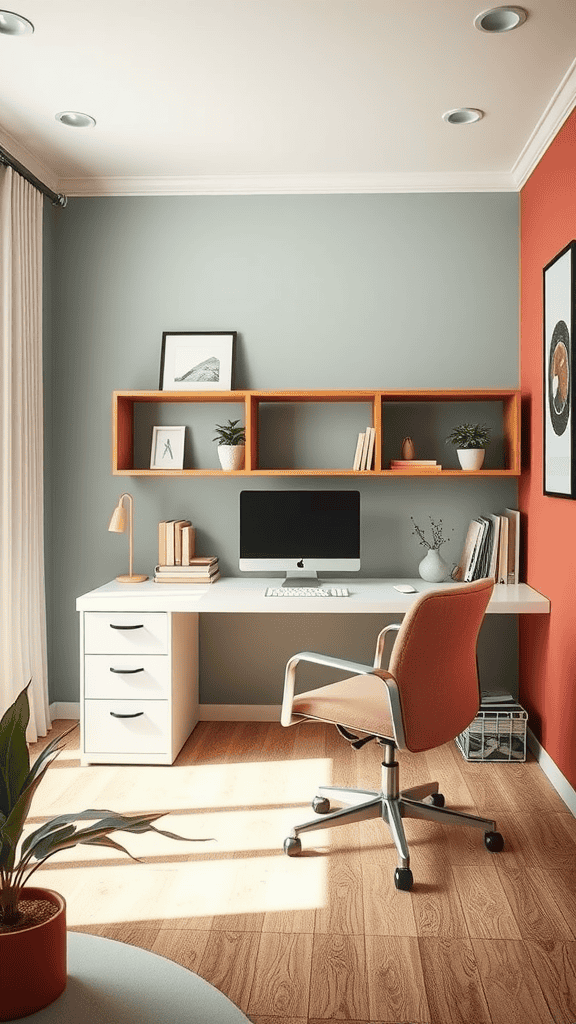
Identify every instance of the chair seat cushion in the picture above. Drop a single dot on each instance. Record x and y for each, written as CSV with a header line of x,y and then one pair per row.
x,y
360,702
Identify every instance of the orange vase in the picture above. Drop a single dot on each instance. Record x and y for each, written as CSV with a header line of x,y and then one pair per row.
x,y
33,961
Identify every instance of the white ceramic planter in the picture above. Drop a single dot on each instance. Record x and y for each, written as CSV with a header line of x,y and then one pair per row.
x,y
433,568
471,458
231,456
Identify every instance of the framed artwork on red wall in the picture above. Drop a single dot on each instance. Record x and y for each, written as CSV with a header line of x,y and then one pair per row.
x,y
559,392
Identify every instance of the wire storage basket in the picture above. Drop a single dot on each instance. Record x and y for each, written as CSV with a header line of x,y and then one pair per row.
x,y
498,733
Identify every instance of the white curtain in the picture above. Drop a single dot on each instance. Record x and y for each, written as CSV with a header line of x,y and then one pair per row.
x,y
22,595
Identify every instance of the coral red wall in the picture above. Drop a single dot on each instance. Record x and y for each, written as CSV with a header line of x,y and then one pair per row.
x,y
547,643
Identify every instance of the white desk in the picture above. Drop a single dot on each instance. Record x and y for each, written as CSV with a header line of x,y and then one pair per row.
x,y
139,651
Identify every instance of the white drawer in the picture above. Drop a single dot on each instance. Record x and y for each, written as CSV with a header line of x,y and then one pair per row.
x,y
127,676
145,732
125,633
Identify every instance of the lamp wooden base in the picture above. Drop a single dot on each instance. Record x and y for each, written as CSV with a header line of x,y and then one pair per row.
x,y
135,578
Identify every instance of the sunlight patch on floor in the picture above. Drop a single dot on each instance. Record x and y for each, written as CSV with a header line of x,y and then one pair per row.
x,y
241,870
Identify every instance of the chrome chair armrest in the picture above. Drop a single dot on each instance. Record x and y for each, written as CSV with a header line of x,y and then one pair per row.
x,y
380,642
355,668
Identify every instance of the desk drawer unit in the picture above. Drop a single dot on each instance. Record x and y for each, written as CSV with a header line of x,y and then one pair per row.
x,y
139,685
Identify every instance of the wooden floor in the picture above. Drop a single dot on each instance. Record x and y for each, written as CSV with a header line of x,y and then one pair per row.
x,y
481,938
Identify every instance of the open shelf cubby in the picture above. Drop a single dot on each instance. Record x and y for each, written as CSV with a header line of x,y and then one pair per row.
x,y
292,427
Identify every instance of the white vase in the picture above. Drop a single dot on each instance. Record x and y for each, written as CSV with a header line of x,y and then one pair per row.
x,y
231,456
471,458
433,568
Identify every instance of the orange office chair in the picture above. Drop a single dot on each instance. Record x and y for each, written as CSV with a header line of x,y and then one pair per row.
x,y
428,695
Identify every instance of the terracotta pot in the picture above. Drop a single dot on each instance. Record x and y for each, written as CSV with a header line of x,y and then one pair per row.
x,y
33,961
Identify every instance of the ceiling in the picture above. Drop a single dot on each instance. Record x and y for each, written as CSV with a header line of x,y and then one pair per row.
x,y
239,96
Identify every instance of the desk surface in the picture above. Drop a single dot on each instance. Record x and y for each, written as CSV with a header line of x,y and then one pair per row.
x,y
237,595
110,982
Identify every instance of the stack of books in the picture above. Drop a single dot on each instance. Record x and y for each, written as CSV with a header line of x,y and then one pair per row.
x,y
491,549
364,456
199,570
416,465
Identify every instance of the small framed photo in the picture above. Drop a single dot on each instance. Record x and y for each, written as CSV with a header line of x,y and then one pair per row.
x,y
167,448
196,361
558,374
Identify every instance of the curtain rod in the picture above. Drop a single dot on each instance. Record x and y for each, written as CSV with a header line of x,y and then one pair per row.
x,y
56,198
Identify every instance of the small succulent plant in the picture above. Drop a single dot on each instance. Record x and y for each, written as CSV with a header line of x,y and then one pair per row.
x,y
230,433
470,435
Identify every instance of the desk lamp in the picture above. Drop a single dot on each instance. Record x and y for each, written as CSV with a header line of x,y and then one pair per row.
x,y
118,525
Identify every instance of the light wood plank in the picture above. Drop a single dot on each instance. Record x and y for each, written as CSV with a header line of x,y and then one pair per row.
x,y
453,982
229,963
282,983
339,982
530,893
184,945
554,964
387,911
512,990
395,979
486,909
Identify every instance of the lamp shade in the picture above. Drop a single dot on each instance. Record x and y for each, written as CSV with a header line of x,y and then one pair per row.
x,y
118,519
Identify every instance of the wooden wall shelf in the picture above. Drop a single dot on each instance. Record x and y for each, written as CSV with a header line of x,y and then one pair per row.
x,y
124,402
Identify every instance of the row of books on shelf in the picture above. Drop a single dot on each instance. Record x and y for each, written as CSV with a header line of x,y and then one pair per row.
x,y
364,456
491,549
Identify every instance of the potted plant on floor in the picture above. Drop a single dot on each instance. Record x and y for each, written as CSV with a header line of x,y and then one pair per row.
x,y
471,441
32,919
231,444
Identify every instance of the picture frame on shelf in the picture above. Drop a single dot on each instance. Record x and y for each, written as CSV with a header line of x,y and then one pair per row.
x,y
559,303
167,451
196,360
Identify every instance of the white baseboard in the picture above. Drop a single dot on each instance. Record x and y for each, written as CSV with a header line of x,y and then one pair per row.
x,y
239,712
64,709
552,772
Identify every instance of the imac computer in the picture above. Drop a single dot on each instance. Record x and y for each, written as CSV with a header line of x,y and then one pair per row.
x,y
300,533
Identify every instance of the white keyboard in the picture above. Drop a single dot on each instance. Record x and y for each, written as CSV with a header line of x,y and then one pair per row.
x,y
307,592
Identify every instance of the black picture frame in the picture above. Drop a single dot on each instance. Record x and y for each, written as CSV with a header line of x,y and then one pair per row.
x,y
559,392
196,360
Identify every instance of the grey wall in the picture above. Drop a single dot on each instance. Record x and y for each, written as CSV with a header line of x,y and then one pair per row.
x,y
390,291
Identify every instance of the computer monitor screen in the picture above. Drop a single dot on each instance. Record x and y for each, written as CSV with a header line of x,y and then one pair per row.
x,y
300,533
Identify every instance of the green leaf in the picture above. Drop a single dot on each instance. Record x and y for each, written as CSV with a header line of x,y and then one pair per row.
x,y
11,830
106,841
14,756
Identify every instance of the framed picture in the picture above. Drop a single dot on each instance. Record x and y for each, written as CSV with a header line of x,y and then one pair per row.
x,y
196,361
559,392
167,448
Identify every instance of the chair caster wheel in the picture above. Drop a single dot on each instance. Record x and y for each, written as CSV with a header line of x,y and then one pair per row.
x,y
321,805
493,841
437,799
292,846
403,879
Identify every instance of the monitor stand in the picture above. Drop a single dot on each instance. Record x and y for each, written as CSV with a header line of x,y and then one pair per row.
x,y
301,578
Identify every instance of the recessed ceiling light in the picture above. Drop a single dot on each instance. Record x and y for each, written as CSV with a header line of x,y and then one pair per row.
x,y
500,19
463,115
14,24
75,120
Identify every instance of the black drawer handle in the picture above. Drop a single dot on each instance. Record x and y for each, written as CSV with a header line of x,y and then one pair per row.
x,y
126,671
135,715
112,626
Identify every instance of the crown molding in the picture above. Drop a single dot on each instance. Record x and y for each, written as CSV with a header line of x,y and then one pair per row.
x,y
291,184
559,108
28,160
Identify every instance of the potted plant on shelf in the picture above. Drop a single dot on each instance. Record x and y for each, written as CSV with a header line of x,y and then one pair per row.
x,y
231,444
471,441
33,919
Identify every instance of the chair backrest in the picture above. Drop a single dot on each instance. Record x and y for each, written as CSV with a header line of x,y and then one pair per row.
x,y
434,663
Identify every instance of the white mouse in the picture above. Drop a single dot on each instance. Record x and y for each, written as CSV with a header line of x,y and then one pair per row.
x,y
405,588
